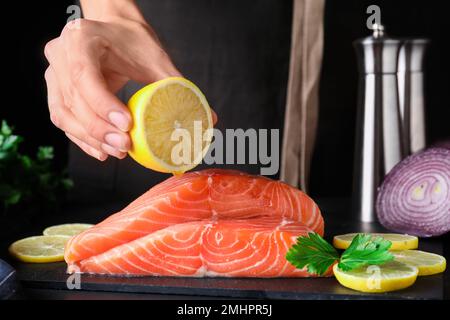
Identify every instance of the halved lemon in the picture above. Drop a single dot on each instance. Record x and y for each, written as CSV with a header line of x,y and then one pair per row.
x,y
391,276
427,263
69,229
399,241
172,125
39,249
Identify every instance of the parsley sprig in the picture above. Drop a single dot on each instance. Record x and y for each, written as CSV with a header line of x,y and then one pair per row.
x,y
317,255
25,180
313,252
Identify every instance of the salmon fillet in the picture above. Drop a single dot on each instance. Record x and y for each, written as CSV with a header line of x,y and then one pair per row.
x,y
226,248
203,200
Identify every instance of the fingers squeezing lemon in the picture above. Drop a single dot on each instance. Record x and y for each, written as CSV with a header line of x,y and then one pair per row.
x,y
172,126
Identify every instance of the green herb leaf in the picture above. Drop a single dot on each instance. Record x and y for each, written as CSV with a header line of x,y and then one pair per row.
x,y
312,252
25,181
9,195
5,129
11,142
13,198
3,154
45,153
67,183
26,161
365,250
318,255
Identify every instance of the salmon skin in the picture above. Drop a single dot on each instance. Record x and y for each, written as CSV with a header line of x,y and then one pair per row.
x,y
210,222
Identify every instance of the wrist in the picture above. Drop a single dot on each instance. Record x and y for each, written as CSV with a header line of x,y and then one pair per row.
x,y
110,10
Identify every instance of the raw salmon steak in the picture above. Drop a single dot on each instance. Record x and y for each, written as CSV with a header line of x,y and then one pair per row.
x,y
260,214
228,248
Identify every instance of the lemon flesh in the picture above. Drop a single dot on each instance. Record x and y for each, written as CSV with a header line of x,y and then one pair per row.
x,y
69,229
39,249
427,263
399,241
172,125
391,276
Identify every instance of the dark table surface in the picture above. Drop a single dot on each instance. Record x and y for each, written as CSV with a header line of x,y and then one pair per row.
x,y
49,281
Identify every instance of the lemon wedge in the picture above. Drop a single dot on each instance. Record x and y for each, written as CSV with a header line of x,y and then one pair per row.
x,y
399,241
172,124
391,276
39,249
427,263
69,229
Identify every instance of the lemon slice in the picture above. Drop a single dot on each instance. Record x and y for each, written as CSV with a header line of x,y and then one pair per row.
x,y
399,241
40,249
391,276
172,125
427,263
69,229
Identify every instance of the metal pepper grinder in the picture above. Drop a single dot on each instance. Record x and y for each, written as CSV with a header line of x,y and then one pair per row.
x,y
379,144
411,93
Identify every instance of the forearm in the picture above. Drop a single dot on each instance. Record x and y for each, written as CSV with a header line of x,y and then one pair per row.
x,y
104,10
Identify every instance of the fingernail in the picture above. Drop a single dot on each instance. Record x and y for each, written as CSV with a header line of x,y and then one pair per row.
x,y
116,141
99,155
113,151
102,157
119,120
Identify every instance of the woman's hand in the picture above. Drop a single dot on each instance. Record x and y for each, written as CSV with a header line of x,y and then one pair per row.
x,y
89,62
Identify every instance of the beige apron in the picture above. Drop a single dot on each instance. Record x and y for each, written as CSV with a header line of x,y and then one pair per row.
x,y
302,100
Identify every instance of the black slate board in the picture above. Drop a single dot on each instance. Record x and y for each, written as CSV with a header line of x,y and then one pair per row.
x,y
52,276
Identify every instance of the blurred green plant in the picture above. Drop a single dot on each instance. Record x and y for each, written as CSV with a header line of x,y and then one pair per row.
x,y
26,180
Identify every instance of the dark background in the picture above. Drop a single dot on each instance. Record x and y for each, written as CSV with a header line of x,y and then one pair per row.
x,y
345,21
24,97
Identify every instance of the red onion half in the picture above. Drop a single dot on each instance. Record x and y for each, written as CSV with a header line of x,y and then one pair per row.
x,y
414,198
